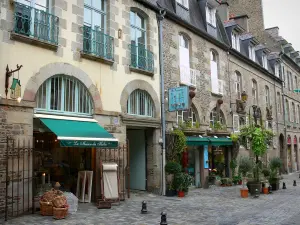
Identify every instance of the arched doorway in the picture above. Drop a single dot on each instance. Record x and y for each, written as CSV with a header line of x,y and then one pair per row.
x,y
289,154
282,155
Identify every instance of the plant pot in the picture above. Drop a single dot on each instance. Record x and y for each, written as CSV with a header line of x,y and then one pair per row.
x,y
170,193
180,194
240,182
275,186
253,185
244,192
266,190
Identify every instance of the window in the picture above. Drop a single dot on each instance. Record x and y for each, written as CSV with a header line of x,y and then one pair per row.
x,y
184,3
138,29
211,16
215,117
277,69
64,94
184,53
287,107
214,71
190,115
235,41
33,19
293,116
267,95
140,103
283,77
298,113
264,61
95,14
292,81
252,52
278,102
288,80
254,92
296,82
238,85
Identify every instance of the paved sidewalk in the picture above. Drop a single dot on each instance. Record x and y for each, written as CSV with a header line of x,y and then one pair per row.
x,y
215,206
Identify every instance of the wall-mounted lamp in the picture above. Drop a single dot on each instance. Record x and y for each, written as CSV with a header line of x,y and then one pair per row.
x,y
120,33
244,96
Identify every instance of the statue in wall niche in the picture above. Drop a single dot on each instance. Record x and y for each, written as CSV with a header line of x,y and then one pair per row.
x,y
269,112
240,106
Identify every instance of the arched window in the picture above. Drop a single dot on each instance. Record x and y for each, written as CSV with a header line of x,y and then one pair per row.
x,y
138,28
216,86
190,115
267,95
278,102
184,60
140,103
238,84
215,117
64,94
287,107
254,92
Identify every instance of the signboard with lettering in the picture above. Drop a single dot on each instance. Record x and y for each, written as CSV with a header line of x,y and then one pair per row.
x,y
205,157
89,144
178,98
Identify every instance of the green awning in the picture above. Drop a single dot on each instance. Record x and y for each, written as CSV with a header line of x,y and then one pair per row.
x,y
221,141
85,133
196,141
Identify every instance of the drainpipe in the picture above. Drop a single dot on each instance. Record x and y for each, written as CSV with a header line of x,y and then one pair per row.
x,y
160,18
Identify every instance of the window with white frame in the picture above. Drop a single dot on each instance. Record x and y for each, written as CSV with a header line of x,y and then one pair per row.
x,y
277,69
211,16
252,52
254,92
184,53
238,84
64,95
278,102
265,61
267,90
140,103
184,3
184,116
235,41
214,72
95,14
138,29
214,117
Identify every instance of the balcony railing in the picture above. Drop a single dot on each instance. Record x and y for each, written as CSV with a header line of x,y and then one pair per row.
x,y
97,43
32,22
189,76
141,58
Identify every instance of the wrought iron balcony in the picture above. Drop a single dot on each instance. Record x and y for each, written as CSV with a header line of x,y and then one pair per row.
x,y
141,58
35,23
97,43
189,76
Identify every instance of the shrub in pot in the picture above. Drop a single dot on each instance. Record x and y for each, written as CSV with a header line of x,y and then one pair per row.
x,y
275,165
171,169
182,182
245,166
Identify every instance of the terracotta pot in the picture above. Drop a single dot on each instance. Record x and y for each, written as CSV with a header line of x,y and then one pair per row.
x,y
244,192
240,182
266,190
180,194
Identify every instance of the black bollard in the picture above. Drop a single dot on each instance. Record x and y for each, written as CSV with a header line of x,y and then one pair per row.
x,y
299,175
295,184
144,207
283,186
163,219
270,189
256,193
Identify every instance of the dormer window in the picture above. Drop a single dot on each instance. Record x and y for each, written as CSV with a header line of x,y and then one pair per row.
x,y
235,41
211,16
264,61
184,3
277,69
252,52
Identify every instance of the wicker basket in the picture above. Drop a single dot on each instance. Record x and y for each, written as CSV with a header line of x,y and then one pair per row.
x,y
60,213
59,201
46,208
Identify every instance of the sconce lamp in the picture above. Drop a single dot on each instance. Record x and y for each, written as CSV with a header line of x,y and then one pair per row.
x,y
244,96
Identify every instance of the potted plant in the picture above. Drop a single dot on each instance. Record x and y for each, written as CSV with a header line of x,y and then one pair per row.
x,y
275,165
182,182
245,166
171,169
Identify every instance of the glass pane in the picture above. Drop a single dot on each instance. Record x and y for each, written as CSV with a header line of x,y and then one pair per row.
x,y
132,18
138,21
88,2
132,35
141,37
42,3
98,4
87,16
97,19
55,101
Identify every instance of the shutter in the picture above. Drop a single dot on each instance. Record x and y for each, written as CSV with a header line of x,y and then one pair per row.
x,y
214,76
236,123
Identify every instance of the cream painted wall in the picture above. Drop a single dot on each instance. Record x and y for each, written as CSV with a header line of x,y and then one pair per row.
x,y
110,83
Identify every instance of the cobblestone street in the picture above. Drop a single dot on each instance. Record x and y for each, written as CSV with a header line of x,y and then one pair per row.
x,y
215,206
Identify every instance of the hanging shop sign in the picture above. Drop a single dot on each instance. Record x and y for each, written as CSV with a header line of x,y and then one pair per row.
x,y
178,98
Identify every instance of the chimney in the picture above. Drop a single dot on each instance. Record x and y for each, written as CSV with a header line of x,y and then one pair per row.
x,y
273,31
223,10
242,21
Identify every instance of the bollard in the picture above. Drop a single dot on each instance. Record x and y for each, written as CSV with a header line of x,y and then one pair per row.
x,y
283,185
299,175
144,207
163,219
270,189
256,193
295,184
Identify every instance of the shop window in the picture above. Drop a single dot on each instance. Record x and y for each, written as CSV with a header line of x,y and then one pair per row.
x,y
64,95
140,103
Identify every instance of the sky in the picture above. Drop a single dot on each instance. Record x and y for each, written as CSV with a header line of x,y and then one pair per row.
x,y
284,14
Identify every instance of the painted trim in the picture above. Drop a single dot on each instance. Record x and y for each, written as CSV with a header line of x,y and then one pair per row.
x,y
86,139
46,116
